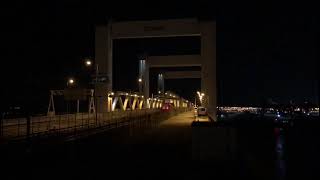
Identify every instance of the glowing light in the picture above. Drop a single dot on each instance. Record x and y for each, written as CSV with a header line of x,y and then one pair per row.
x,y
140,80
71,81
112,93
159,92
127,94
88,63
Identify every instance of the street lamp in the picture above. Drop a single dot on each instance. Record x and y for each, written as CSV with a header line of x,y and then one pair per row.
x,y
70,82
88,62
140,84
201,95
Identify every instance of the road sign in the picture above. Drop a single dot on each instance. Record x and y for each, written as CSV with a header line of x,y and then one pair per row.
x,y
75,94
101,78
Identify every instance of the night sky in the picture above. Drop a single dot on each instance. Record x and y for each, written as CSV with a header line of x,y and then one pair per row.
x,y
259,56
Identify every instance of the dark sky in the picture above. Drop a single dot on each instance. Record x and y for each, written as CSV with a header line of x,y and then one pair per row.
x,y
270,55
259,55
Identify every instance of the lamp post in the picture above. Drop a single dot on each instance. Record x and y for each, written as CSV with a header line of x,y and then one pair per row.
x,y
70,84
140,84
201,95
88,63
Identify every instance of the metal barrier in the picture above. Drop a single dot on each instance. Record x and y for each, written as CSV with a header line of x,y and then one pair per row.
x,y
72,124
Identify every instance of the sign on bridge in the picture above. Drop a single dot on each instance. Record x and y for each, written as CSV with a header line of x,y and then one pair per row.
x,y
101,78
75,94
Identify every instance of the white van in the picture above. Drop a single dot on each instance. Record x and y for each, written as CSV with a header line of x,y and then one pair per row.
x,y
202,111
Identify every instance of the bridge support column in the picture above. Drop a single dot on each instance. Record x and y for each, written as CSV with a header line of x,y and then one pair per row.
x,y
160,84
109,109
208,68
103,59
146,81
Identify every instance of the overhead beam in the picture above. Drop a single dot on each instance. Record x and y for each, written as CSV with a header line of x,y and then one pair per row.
x,y
174,61
155,28
182,75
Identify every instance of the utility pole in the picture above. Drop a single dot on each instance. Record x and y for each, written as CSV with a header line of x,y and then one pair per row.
x,y
89,63
95,93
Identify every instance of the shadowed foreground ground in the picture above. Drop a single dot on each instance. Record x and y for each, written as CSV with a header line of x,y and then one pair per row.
x,y
171,149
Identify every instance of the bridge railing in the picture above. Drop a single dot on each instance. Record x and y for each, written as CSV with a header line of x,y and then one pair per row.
x,y
74,123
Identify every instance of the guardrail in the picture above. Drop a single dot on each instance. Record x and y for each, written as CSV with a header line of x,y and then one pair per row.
x,y
72,124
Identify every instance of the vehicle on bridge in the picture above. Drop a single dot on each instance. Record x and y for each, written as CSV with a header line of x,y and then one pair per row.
x,y
167,107
202,111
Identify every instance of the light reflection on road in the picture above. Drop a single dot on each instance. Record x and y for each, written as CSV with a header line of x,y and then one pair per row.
x,y
279,148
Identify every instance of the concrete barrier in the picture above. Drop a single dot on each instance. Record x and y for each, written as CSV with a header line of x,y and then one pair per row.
x,y
213,143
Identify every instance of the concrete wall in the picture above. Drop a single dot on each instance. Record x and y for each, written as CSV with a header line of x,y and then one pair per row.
x,y
208,70
215,144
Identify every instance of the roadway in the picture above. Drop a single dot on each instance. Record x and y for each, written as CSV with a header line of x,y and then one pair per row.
x,y
164,151
158,152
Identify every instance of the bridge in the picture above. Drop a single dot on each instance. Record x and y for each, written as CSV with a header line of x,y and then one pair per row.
x,y
109,109
206,60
